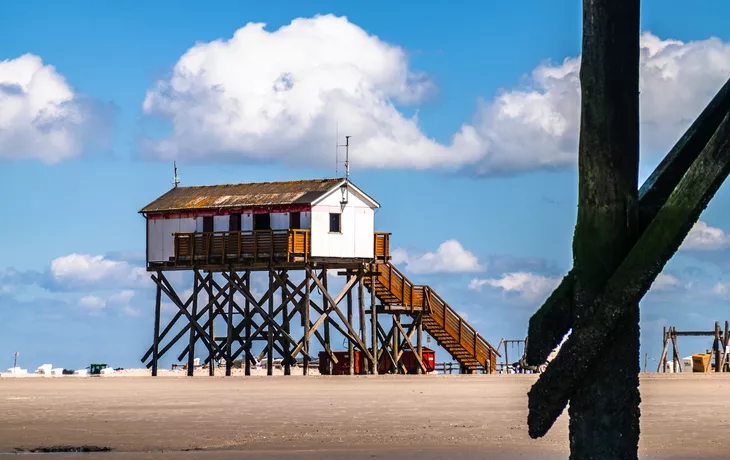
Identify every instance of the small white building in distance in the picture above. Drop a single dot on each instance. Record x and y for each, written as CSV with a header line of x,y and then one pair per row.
x,y
322,220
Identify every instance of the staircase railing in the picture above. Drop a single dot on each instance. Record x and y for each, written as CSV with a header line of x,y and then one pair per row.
x,y
455,325
408,294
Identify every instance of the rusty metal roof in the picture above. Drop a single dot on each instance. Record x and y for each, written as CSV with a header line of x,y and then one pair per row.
x,y
252,194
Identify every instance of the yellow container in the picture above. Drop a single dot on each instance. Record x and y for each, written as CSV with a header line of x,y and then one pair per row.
x,y
700,361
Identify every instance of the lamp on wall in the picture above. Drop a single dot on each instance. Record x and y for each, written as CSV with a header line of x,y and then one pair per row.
x,y
344,190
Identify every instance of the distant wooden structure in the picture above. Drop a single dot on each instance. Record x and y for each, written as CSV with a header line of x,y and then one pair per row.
x,y
720,343
224,234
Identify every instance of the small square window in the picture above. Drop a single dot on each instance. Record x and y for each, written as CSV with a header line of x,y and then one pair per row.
x,y
335,223
262,221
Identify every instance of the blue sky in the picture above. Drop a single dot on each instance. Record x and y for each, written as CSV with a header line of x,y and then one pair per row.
x,y
464,129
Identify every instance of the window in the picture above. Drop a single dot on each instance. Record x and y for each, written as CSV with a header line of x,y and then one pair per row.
x,y
295,220
234,223
262,221
335,223
207,224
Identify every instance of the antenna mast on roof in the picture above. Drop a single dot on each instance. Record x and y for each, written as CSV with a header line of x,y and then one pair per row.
x,y
176,180
347,157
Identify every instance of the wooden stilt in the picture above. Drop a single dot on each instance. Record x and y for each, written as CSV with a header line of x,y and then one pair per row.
x,y
361,304
284,301
663,360
156,338
247,319
305,318
191,346
350,347
717,345
419,337
374,325
396,343
229,332
676,359
327,343
725,345
270,346
211,322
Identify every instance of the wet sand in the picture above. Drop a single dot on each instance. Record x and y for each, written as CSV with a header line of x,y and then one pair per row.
x,y
425,417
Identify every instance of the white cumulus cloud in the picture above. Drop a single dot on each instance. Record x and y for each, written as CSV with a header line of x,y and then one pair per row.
x,y
93,304
529,286
84,270
665,282
702,237
120,301
278,95
450,257
42,117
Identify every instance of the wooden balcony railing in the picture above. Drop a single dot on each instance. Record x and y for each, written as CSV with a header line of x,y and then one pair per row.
x,y
382,246
241,246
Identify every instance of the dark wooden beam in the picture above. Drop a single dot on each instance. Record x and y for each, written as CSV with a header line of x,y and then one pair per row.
x,y
630,281
156,341
551,322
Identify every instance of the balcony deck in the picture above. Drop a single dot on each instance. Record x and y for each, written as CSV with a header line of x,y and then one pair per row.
x,y
256,250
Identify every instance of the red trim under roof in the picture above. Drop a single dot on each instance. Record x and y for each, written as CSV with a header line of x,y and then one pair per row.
x,y
228,211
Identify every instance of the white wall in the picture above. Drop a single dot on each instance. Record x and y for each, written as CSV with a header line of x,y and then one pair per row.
x,y
161,244
357,224
279,220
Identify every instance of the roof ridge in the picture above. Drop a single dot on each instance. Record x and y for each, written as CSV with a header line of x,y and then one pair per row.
x,y
265,182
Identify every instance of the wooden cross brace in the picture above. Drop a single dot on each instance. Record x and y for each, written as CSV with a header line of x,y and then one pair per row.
x,y
258,304
332,307
655,246
554,319
172,323
167,288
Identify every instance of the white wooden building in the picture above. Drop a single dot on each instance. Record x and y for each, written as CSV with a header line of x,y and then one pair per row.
x,y
320,219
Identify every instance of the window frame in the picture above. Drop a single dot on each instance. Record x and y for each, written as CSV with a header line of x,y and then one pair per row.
x,y
339,223
253,225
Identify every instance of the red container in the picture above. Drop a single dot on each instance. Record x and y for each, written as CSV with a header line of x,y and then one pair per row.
x,y
408,358
342,367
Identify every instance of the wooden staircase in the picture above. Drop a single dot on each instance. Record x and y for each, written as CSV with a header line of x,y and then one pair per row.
x,y
440,321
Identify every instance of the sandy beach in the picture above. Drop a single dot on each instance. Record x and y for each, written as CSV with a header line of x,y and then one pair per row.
x,y
296,417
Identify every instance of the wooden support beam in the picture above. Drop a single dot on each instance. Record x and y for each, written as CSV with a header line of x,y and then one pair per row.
x,y
663,359
631,280
350,348
305,316
327,342
551,322
229,332
373,325
361,305
257,306
419,339
156,339
386,347
676,359
217,308
333,306
191,347
170,292
285,302
247,325
169,327
407,339
211,325
270,332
